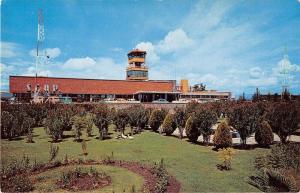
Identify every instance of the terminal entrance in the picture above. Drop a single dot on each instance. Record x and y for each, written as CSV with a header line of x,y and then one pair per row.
x,y
152,96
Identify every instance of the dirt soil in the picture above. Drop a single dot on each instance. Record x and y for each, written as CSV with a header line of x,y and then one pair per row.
x,y
85,183
150,180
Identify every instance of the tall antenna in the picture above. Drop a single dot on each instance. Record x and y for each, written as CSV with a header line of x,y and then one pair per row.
x,y
285,70
40,39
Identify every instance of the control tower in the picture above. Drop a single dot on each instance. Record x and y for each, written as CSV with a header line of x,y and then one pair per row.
x,y
136,69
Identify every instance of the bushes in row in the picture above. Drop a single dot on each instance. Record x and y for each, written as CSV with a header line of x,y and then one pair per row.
x,y
247,118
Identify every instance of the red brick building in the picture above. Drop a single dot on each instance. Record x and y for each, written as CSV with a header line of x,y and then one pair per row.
x,y
92,89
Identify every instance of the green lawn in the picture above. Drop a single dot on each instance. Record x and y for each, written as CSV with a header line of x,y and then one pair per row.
x,y
122,179
193,165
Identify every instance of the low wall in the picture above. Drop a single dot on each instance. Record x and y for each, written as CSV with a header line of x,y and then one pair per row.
x,y
147,105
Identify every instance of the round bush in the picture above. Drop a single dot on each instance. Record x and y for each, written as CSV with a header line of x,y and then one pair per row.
x,y
156,118
264,135
191,130
222,137
169,124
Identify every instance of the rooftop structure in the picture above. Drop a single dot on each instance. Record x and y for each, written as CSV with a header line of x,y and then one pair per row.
x,y
137,68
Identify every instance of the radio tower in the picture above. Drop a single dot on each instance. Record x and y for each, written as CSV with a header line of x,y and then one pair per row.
x,y
40,57
285,71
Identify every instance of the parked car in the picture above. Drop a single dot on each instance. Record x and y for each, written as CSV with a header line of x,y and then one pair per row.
x,y
160,101
133,101
181,101
108,100
120,100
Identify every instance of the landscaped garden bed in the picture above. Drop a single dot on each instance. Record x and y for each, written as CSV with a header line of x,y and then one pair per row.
x,y
85,177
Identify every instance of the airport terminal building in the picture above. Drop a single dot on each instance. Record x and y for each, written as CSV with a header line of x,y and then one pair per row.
x,y
136,86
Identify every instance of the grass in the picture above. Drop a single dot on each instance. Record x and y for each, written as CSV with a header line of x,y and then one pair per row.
x,y
193,165
122,179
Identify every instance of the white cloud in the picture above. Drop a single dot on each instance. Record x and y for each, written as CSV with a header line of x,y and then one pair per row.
x,y
152,56
256,72
30,71
79,63
174,41
9,49
51,52
99,68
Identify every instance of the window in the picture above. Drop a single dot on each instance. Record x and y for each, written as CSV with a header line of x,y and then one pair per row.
x,y
28,86
135,73
46,87
37,87
55,87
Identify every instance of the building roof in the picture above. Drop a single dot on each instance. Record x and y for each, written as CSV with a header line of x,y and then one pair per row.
x,y
208,92
137,51
18,84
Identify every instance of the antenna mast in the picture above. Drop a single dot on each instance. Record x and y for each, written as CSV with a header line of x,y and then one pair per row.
x,y
40,39
285,71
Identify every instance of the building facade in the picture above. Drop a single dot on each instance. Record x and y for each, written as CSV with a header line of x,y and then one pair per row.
x,y
136,86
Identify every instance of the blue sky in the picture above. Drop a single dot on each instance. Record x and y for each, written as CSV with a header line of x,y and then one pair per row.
x,y
227,45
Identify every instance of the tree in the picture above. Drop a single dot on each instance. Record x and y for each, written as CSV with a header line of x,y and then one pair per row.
x,y
88,122
284,119
27,124
101,120
6,125
121,120
204,120
169,124
245,118
138,117
191,130
264,134
54,127
77,126
156,118
222,137
180,117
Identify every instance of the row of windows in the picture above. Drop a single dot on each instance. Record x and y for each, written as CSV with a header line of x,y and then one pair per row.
x,y
46,87
203,96
137,56
136,73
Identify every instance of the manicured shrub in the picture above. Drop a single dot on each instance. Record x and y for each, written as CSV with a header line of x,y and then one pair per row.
x,y
6,125
191,130
169,124
264,134
222,137
54,126
284,119
88,123
156,118
78,125
121,120
101,120
138,117
204,120
180,118
28,124
226,156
